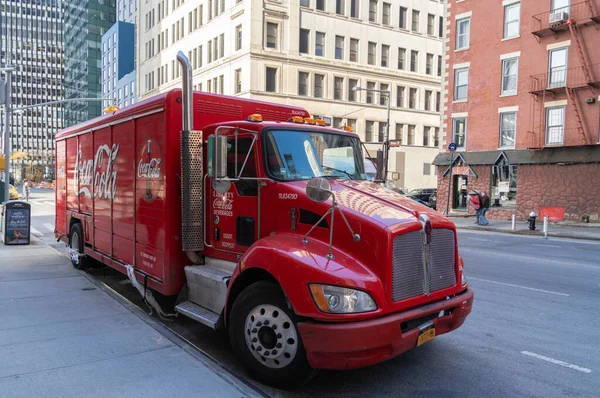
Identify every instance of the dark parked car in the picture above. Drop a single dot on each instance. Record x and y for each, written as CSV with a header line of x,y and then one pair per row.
x,y
422,194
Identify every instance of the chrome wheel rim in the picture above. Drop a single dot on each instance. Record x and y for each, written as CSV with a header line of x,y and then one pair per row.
x,y
74,249
271,336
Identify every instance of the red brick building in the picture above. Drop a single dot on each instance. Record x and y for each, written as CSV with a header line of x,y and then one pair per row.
x,y
522,93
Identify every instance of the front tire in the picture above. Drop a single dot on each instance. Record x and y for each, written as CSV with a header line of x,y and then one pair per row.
x,y
265,338
76,248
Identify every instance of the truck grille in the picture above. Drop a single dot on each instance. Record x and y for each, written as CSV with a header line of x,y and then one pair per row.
x,y
410,275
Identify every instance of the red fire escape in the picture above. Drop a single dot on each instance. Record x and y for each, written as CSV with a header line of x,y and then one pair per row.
x,y
587,76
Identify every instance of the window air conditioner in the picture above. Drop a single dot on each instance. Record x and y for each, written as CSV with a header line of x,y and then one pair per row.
x,y
558,18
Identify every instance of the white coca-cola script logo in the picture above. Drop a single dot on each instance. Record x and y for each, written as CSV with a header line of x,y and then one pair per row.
x,y
149,169
104,178
223,204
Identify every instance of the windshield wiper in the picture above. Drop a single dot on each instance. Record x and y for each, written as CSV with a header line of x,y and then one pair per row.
x,y
341,171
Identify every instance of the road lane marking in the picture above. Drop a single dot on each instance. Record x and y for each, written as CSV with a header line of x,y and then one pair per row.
x,y
519,286
556,239
49,227
541,244
35,232
557,362
49,202
481,239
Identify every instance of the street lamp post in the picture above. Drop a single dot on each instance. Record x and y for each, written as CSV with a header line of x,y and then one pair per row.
x,y
386,139
8,110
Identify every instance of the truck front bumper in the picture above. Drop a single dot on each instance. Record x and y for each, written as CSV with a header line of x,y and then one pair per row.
x,y
364,343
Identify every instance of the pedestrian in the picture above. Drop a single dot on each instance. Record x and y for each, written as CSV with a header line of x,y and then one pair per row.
x,y
485,206
474,200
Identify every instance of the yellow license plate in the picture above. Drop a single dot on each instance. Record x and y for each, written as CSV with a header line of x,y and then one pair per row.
x,y
426,336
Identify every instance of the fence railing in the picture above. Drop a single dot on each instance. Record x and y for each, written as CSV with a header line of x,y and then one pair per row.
x,y
572,78
578,12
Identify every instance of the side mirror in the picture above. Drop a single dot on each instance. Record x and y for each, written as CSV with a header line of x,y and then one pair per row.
x,y
217,157
318,189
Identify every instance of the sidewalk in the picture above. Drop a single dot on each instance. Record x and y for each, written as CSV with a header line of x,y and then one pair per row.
x,y
589,231
62,336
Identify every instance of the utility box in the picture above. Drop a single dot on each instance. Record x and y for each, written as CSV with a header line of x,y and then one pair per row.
x,y
16,223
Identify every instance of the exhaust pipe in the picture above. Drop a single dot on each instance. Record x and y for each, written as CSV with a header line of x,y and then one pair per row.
x,y
192,212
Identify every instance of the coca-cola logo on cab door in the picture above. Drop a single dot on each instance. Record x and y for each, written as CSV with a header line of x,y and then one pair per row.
x,y
149,170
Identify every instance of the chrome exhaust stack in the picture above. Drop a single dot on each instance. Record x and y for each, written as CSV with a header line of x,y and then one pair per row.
x,y
192,212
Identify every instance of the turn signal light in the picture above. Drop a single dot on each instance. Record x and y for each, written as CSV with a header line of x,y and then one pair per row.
x,y
309,120
297,119
321,122
255,117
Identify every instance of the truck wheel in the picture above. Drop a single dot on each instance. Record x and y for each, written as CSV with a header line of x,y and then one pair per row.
x,y
264,336
76,248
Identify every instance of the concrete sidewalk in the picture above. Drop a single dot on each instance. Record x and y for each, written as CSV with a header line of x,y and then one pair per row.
x,y
61,336
589,231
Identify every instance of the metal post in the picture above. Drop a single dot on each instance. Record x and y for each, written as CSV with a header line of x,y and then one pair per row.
x,y
386,144
545,227
514,221
450,183
7,111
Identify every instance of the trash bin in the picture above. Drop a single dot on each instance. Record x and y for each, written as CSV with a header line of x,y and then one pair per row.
x,y
16,223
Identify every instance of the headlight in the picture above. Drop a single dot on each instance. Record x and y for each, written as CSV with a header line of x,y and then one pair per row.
x,y
341,300
464,279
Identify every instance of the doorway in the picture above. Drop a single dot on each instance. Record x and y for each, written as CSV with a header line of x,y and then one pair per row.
x,y
460,192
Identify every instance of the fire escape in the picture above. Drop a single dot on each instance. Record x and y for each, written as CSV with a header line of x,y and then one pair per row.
x,y
585,77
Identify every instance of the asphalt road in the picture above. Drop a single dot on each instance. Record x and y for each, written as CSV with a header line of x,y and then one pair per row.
x,y
534,330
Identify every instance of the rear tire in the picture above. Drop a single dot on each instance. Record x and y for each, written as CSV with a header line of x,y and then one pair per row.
x,y
264,336
76,248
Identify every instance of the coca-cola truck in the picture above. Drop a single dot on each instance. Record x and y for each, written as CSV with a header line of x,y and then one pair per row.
x,y
262,222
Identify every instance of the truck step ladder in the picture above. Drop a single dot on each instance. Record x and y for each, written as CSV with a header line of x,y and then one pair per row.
x,y
206,291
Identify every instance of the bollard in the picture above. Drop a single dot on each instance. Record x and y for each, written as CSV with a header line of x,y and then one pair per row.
x,y
514,221
545,227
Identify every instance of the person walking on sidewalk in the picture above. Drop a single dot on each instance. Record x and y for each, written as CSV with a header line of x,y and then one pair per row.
x,y
485,206
474,200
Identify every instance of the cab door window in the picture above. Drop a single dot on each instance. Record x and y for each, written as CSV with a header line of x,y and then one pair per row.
x,y
236,155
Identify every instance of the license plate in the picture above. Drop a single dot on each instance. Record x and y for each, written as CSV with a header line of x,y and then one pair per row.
x,y
425,336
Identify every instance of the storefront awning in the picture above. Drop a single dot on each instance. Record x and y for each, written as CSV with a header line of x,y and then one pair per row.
x,y
460,167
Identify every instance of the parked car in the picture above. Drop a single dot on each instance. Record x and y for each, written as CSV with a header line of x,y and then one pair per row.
x,y
433,201
13,194
422,194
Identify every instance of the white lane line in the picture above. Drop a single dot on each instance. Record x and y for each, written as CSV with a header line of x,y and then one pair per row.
x,y
49,227
557,362
541,244
48,202
481,239
35,232
519,286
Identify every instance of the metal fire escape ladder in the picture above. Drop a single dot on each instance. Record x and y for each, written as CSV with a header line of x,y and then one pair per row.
x,y
571,95
583,57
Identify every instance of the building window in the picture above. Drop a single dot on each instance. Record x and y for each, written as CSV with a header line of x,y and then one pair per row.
x,y
429,64
557,76
303,83
387,10
439,66
383,96
555,125
321,5
415,20
508,123
436,137
320,44
411,134
504,186
372,50
461,83
271,35
339,47
221,45
437,101
305,3
354,7
352,93
426,169
412,98
338,88
353,50
372,11
369,126
428,95
271,80
463,27
340,7
238,37
385,56
238,81
403,18
510,69
512,16
426,132
400,96
441,27
401,58
319,85
459,131
304,40
370,87
351,123
399,132
430,24
381,134
414,61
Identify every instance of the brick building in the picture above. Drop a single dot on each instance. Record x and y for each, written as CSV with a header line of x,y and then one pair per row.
x,y
521,101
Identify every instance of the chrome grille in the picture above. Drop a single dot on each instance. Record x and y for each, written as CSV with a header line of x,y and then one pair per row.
x,y
409,278
408,274
441,260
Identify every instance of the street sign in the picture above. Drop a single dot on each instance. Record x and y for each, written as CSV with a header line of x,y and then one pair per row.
x,y
452,147
395,143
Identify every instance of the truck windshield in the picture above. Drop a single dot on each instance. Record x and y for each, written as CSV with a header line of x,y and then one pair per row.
x,y
302,155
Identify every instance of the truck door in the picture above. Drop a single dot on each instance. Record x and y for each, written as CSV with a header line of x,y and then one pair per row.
x,y
234,214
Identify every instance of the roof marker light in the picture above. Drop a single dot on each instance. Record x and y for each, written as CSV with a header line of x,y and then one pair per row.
x,y
309,120
255,117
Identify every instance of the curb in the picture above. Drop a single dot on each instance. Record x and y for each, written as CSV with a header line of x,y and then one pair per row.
x,y
530,233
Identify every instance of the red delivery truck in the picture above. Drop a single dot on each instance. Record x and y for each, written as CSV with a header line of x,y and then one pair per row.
x,y
263,223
